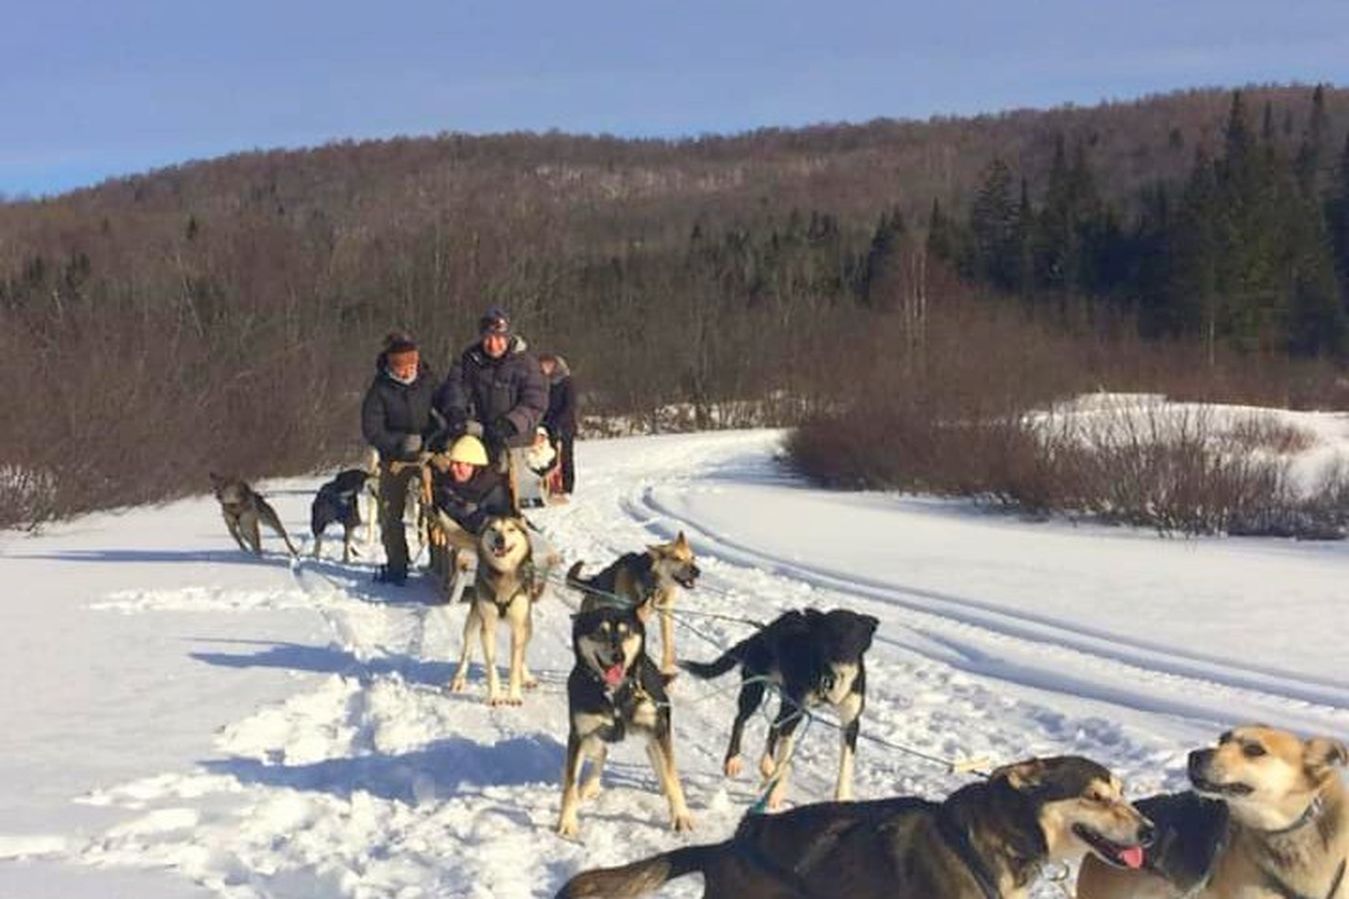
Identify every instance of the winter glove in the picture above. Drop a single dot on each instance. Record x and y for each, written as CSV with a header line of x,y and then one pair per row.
x,y
410,445
498,432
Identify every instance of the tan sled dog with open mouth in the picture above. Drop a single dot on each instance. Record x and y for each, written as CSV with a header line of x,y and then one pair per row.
x,y
988,840
505,588
1285,833
648,582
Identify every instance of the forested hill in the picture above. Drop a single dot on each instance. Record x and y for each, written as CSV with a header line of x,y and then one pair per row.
x,y
847,169
262,281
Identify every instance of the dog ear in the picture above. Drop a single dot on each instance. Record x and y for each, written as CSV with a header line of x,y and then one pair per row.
x,y
681,542
1321,754
1024,777
455,535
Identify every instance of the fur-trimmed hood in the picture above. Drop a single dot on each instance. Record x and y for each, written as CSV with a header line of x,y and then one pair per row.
x,y
561,371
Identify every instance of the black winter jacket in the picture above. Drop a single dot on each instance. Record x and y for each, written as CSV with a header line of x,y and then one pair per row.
x,y
392,411
560,419
480,388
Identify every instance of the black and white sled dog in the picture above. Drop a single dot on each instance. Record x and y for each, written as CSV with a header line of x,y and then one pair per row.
x,y
615,689
339,502
814,658
243,509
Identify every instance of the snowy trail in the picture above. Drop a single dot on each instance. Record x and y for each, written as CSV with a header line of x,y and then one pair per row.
x,y
1037,652
368,779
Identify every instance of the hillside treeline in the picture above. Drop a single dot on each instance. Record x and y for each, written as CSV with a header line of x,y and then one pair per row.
x,y
226,313
1250,249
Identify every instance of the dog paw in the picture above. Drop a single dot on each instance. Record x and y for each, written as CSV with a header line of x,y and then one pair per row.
x,y
767,766
459,685
590,789
733,766
682,822
568,826
532,684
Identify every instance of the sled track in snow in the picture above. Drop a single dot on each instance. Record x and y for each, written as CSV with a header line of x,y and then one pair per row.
x,y
1199,686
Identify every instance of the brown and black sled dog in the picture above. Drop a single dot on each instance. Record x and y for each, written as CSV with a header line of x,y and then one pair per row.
x,y
988,840
1268,819
648,581
243,509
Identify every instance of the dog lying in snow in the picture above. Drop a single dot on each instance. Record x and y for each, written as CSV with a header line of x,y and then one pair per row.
x,y
988,840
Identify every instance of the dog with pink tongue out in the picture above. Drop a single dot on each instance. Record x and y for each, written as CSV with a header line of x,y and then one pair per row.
x,y
615,689
988,840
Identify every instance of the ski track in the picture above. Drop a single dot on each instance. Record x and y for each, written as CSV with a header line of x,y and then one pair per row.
x,y
377,782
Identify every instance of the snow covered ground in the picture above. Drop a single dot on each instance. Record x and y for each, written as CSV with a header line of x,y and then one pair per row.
x,y
184,721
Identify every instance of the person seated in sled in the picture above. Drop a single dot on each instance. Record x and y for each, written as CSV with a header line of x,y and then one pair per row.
x,y
470,491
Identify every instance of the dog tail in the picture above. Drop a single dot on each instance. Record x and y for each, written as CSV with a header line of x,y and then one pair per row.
x,y
574,579
635,879
716,668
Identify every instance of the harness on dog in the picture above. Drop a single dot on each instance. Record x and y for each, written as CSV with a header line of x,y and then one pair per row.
x,y
624,700
959,841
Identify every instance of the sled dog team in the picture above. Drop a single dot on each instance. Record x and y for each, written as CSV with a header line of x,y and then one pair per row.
x,y
1267,818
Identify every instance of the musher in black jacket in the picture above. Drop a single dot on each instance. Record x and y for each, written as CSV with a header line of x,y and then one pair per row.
x,y
398,420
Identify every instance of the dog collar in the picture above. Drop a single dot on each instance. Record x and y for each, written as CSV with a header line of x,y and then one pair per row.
x,y
1307,817
960,841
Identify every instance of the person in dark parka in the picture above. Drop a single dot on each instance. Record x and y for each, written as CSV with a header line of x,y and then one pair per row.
x,y
397,419
497,383
560,419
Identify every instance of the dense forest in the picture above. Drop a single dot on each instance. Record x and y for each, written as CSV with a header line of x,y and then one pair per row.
x,y
227,312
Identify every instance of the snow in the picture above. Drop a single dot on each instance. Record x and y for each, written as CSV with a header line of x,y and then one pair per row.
x,y
186,721
1108,417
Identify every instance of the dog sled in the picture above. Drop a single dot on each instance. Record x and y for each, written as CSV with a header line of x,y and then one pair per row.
x,y
535,473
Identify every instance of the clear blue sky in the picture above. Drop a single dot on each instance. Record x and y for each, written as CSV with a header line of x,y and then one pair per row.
x,y
94,88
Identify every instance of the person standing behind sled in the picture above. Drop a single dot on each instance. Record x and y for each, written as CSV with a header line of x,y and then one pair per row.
x,y
497,383
397,420
560,419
